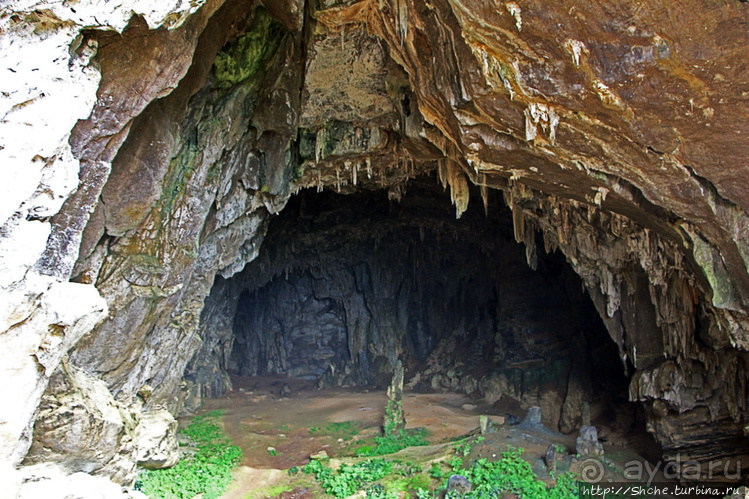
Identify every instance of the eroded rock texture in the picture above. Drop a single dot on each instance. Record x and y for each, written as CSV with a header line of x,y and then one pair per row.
x,y
146,147
344,286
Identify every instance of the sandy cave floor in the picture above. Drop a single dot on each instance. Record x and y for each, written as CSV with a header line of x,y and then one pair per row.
x,y
339,420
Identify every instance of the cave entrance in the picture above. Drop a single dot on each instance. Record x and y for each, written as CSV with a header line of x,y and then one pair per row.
x,y
344,285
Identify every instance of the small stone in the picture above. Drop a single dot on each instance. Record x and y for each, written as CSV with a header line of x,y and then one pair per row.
x,y
271,451
458,484
319,456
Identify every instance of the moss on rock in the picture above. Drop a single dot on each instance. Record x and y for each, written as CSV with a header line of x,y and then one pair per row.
x,y
245,56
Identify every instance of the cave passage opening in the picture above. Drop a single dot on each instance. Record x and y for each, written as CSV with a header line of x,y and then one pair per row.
x,y
344,285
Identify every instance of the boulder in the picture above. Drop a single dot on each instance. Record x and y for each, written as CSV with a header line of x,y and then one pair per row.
x,y
82,428
458,485
156,440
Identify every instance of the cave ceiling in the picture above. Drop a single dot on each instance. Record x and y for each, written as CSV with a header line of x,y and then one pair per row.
x,y
151,145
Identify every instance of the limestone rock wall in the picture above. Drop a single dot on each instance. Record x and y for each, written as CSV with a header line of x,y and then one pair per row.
x,y
50,80
146,145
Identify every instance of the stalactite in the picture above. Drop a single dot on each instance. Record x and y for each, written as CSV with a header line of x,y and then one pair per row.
x,y
459,192
518,223
529,239
320,145
402,20
442,171
485,198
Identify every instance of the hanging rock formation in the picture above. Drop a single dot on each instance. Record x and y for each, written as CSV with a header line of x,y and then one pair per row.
x,y
146,145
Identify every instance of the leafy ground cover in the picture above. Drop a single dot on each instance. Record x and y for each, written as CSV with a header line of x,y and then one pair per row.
x,y
384,478
393,442
205,469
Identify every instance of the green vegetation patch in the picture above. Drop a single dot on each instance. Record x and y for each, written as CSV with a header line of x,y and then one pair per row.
x,y
393,442
245,56
511,474
388,479
350,478
205,471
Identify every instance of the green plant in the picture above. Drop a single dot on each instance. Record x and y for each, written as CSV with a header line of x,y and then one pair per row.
x,y
206,471
272,491
418,482
424,494
350,477
366,450
463,449
394,422
379,492
408,470
393,442
514,475
293,470
436,472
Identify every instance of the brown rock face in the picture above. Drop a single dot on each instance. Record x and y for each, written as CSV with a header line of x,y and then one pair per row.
x,y
617,132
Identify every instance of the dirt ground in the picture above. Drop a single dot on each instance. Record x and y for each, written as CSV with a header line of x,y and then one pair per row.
x,y
277,433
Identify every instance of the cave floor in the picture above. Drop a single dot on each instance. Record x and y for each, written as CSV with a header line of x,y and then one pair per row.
x,y
278,433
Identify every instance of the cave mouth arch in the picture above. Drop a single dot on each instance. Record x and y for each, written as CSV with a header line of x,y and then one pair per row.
x,y
346,284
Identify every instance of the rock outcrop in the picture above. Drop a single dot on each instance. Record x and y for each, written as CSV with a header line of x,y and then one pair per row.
x,y
146,145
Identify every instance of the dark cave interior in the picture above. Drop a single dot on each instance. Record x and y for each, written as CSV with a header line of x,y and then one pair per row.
x,y
344,285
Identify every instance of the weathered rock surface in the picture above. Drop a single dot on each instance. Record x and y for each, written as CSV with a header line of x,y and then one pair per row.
x,y
81,428
156,440
146,160
33,348
587,444
48,480
308,301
